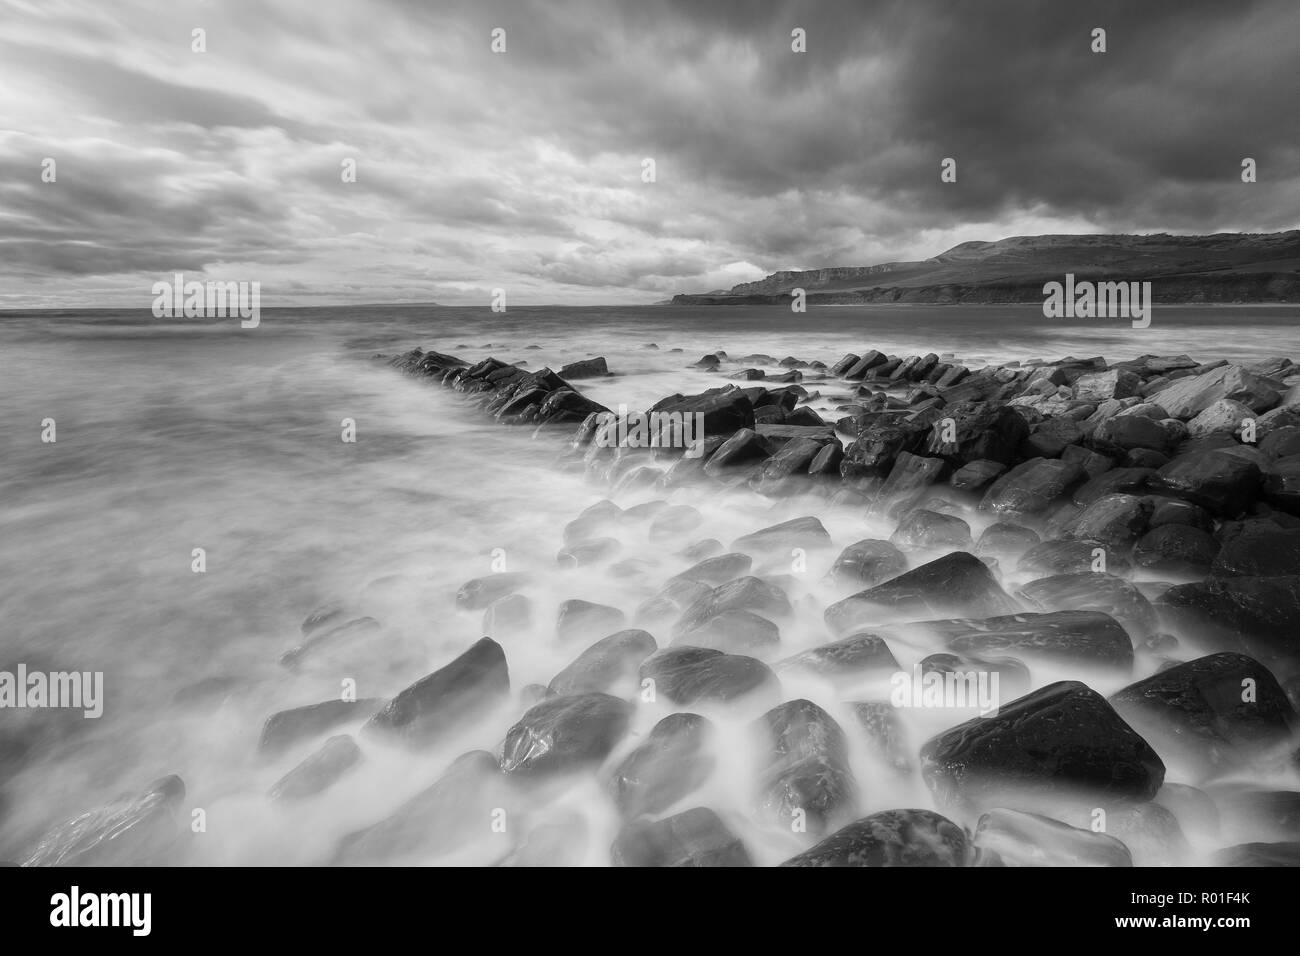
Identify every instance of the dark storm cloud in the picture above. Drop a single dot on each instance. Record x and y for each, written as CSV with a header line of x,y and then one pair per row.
x,y
523,170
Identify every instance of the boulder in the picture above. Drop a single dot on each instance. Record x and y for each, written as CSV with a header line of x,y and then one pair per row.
x,y
674,760
1093,591
689,675
143,829
449,698
585,620
319,771
1197,708
1087,638
804,773
287,728
1187,397
955,584
564,734
1030,487
1060,741
891,838
979,431
867,563
1030,839
849,658
807,533
606,665
930,530
695,837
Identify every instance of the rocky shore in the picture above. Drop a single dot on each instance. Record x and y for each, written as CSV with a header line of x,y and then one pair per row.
x,y
1118,544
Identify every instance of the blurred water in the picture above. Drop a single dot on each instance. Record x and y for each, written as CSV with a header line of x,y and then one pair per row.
x,y
192,434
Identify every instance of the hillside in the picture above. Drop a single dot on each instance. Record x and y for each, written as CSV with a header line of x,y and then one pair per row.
x,y
1225,267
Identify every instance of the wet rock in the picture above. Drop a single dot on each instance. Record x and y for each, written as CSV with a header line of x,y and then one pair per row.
x,y
674,760
1128,433
450,697
328,641
969,681
910,475
1224,416
287,728
606,665
1187,397
930,530
1222,484
980,431
477,594
696,837
1030,487
733,631
1005,540
878,444
452,813
508,616
793,459
743,448
327,615
690,675
891,838
1176,549
1090,638
743,594
1092,591
717,570
586,368
673,521
1050,438
724,411
591,551
1259,854
1067,557
807,533
1265,553
848,658
320,771
1030,839
1198,708
564,734
885,734
1122,481
1281,442
584,620
1280,485
140,830
976,475
1116,520
704,548
1112,383
804,773
1261,615
868,562
955,584
1166,510
1060,741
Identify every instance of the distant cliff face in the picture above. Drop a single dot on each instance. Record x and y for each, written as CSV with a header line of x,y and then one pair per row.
x,y
1221,268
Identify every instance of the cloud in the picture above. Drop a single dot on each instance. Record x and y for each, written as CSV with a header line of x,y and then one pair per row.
x,y
523,170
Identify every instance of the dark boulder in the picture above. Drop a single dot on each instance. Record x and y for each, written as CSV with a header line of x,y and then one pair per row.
x,y
1061,741
930,530
674,760
585,620
805,783
867,563
477,594
286,728
1030,487
980,431
807,533
1030,839
1217,709
687,675
564,734
1088,638
144,829
848,658
955,584
450,697
319,771
606,665
1222,484
1092,591
696,837
453,812
891,838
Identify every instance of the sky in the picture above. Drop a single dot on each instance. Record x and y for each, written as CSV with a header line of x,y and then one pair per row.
x,y
524,170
